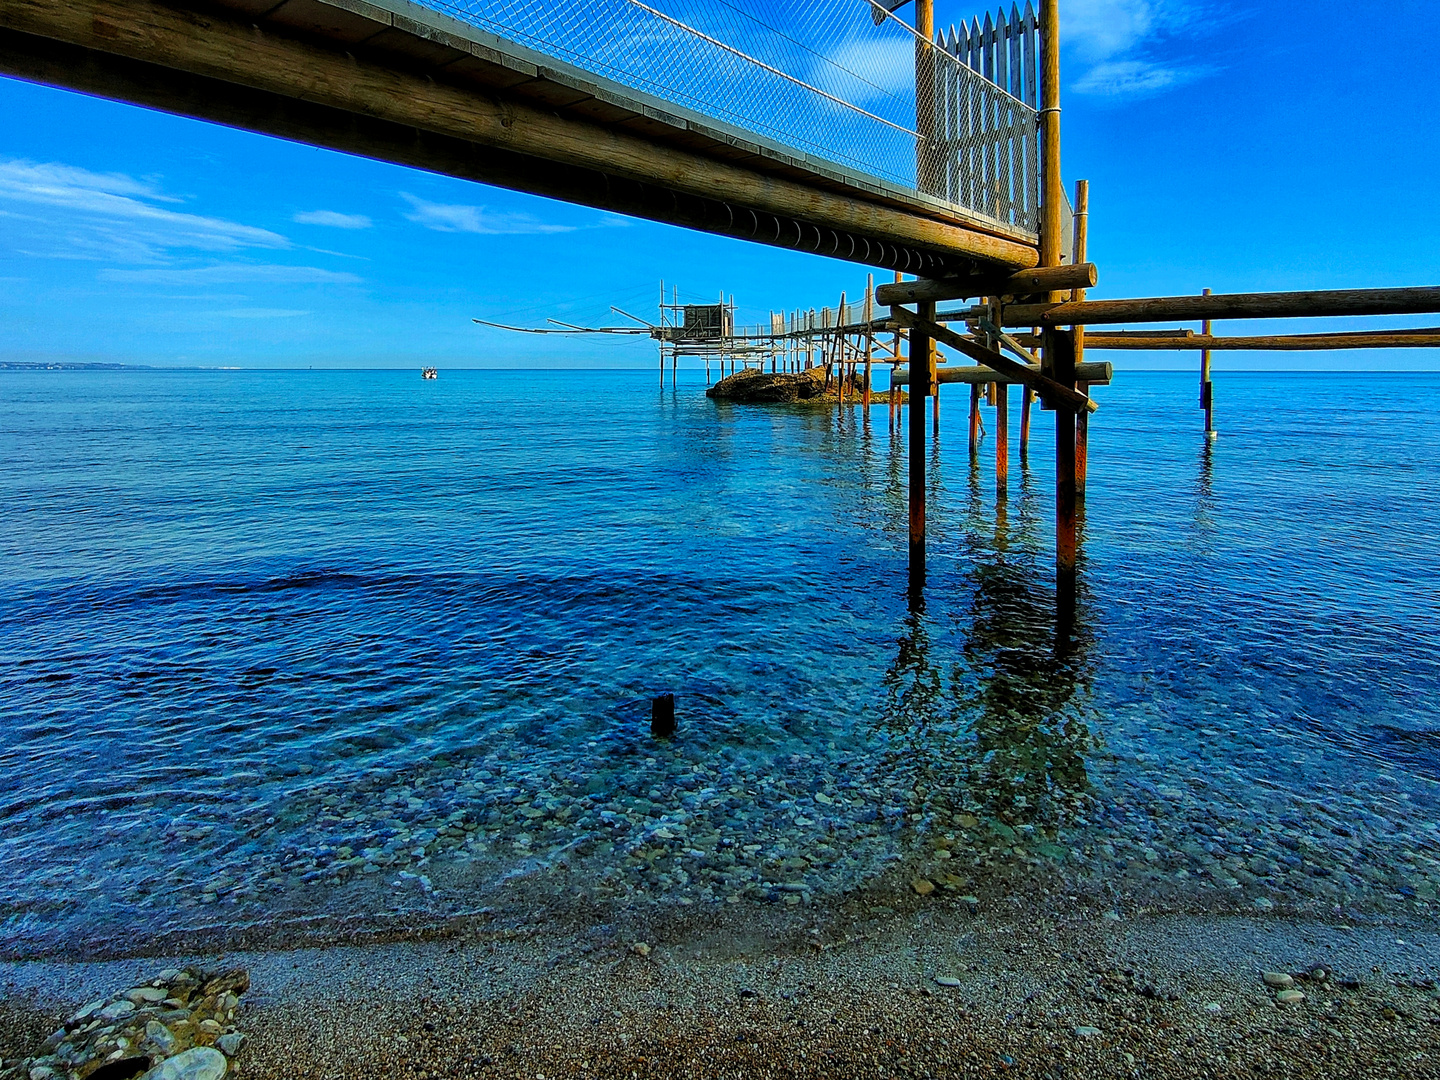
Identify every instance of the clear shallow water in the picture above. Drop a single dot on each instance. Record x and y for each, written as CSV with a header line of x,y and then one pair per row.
x,y
343,644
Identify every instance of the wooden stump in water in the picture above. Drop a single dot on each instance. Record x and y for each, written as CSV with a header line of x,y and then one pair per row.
x,y
662,716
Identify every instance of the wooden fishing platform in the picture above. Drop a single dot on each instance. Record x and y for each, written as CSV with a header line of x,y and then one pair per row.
x,y
973,207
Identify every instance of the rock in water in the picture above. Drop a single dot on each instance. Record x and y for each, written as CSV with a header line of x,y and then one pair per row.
x,y
753,386
199,1063
662,716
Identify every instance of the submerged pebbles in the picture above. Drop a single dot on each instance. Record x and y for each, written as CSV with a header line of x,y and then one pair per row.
x,y
178,1026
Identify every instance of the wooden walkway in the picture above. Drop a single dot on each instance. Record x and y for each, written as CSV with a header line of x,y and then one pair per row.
x,y
400,82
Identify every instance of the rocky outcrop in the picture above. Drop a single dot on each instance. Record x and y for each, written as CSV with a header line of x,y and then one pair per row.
x,y
178,1026
752,386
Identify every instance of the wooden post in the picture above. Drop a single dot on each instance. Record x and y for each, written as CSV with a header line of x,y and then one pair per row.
x,y
1207,390
869,315
1026,397
1054,194
1059,354
1082,418
975,390
918,388
1002,438
934,389
895,355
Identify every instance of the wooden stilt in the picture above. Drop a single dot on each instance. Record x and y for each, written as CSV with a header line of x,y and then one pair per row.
x,y
975,391
867,317
1002,438
1207,389
1082,418
919,387
1059,358
1026,397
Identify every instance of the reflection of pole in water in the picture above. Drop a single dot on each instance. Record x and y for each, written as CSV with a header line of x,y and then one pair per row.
x,y
998,728
1205,491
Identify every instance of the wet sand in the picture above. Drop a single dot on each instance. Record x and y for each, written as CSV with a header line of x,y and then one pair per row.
x,y
1075,990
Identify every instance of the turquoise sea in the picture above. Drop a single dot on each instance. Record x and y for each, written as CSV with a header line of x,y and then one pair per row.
x,y
291,648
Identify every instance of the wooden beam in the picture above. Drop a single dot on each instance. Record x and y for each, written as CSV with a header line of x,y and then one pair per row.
x,y
1094,372
218,56
1279,305
1021,373
1428,338
1024,283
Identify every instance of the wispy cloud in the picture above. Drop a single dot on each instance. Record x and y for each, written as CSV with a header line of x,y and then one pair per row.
x,y
1132,77
89,215
1132,47
332,219
443,217
230,274
261,313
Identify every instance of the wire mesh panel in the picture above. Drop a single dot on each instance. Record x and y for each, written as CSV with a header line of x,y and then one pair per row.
x,y
834,79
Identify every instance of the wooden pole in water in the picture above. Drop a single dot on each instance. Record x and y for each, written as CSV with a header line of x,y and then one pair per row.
x,y
1002,437
1059,352
895,354
1026,397
975,391
918,388
1082,418
868,312
935,385
1207,389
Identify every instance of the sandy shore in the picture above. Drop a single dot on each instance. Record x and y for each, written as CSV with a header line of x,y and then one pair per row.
x,y
1079,992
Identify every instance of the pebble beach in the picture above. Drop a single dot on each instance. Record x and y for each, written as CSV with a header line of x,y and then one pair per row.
x,y
911,987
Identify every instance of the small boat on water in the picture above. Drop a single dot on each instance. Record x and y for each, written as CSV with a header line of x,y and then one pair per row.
x,y
429,373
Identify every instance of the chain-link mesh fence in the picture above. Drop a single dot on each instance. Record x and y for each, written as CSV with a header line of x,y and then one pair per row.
x,y
822,77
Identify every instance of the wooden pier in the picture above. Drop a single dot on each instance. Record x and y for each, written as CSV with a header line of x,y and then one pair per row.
x,y
979,213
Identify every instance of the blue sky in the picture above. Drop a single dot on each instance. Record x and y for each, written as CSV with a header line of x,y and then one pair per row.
x,y
1234,145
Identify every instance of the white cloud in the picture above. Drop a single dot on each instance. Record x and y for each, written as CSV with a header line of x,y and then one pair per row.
x,y
1131,77
231,274
89,215
1117,42
332,219
476,219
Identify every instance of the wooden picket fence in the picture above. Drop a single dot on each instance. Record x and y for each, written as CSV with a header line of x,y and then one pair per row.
x,y
987,124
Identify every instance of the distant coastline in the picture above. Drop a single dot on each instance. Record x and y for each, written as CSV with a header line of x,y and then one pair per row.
x,y
61,365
